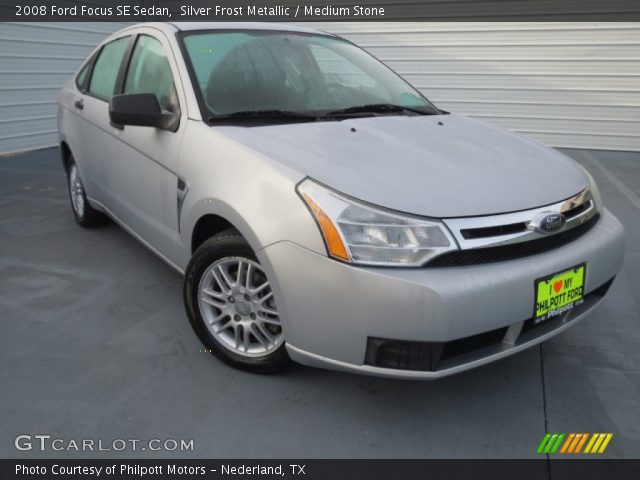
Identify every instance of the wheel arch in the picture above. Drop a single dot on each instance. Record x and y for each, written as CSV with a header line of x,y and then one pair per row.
x,y
210,217
65,154
206,227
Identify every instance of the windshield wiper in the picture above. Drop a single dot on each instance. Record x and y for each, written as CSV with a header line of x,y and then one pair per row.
x,y
379,108
287,115
263,115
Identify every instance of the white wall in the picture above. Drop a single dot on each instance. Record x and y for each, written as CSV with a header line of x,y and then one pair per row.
x,y
35,60
566,84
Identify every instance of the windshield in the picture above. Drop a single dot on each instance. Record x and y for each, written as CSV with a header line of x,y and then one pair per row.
x,y
254,71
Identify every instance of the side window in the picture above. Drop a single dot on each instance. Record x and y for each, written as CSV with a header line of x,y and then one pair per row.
x,y
149,72
81,79
107,67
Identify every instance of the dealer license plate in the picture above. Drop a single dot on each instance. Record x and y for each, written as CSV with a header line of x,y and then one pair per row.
x,y
559,293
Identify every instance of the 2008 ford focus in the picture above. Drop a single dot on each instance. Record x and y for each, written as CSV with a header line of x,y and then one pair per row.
x,y
322,209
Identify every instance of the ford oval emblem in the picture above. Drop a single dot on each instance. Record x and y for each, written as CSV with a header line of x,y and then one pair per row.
x,y
547,222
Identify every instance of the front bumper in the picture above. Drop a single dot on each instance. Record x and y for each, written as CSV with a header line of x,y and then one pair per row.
x,y
331,311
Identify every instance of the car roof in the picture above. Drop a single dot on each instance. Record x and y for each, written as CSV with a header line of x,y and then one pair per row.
x,y
183,26
193,26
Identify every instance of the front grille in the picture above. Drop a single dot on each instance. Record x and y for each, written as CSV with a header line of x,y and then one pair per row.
x,y
511,251
511,228
575,211
486,232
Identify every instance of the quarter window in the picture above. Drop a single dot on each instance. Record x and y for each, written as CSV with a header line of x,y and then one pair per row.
x,y
150,72
107,67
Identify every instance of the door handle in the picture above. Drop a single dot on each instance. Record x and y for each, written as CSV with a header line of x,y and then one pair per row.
x,y
79,104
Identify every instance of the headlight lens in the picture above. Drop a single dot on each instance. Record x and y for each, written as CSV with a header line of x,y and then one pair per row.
x,y
595,193
361,234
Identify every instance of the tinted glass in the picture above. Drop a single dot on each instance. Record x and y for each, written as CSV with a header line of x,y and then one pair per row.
x,y
82,76
263,70
105,71
149,72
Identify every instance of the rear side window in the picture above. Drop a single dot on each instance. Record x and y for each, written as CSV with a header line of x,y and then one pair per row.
x,y
106,68
149,72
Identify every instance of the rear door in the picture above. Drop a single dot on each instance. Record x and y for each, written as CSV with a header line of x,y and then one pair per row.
x,y
72,123
98,139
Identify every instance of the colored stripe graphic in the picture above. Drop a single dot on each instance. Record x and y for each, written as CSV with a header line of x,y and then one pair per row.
x,y
569,441
565,447
543,443
553,443
605,443
591,442
581,443
550,443
574,443
556,445
598,443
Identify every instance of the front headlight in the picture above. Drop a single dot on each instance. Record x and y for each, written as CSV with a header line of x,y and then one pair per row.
x,y
595,192
358,233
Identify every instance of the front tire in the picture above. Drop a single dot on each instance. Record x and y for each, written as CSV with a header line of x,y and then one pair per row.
x,y
84,214
231,307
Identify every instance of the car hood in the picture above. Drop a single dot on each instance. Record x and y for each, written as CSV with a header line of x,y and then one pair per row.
x,y
438,166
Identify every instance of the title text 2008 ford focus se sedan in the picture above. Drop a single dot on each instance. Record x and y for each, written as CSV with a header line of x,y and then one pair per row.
x,y
322,209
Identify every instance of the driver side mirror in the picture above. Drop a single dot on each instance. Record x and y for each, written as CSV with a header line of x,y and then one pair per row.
x,y
142,110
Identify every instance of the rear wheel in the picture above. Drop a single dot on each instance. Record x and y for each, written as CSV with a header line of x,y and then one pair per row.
x,y
231,306
84,214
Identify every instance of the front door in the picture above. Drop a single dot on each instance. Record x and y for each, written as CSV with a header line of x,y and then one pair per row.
x,y
146,189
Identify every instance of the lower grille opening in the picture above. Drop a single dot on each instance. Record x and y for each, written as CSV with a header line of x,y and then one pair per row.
x,y
426,356
431,356
602,290
403,355
473,343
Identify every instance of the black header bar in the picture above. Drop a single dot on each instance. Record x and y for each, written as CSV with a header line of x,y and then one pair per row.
x,y
320,11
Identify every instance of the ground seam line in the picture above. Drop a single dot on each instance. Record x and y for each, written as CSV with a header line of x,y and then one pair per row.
x,y
544,407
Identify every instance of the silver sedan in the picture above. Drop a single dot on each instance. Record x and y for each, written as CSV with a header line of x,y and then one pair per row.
x,y
322,209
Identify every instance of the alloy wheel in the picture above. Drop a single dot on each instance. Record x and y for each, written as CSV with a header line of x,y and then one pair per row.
x,y
76,191
238,307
